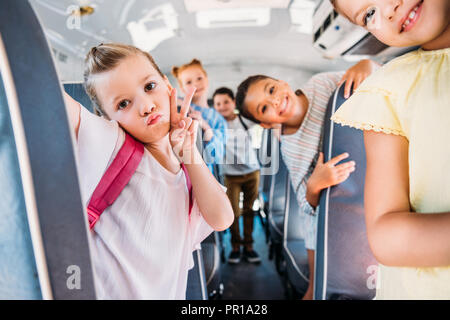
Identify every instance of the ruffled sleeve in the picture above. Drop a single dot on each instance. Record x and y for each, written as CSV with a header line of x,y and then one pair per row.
x,y
372,107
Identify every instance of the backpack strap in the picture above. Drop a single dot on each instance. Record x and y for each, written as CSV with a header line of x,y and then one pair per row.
x,y
118,175
243,123
245,127
115,178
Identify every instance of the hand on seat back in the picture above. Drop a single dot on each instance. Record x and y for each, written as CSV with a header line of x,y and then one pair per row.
x,y
357,74
328,174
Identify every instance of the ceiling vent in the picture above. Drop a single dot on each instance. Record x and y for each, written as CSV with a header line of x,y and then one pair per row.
x,y
301,13
158,25
204,5
226,18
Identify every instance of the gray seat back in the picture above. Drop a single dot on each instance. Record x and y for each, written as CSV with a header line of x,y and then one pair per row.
x,y
76,91
294,219
55,214
294,250
196,283
277,195
264,157
18,276
344,262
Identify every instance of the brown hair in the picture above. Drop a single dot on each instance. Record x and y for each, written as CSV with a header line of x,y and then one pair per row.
x,y
104,58
242,91
241,94
224,90
176,71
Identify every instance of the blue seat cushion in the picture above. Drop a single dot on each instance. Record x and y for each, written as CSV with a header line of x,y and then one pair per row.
x,y
276,225
297,267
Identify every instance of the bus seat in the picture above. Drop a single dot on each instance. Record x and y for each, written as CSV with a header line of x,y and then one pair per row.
x,y
344,262
294,251
211,260
76,91
196,282
264,159
18,274
277,202
54,207
276,211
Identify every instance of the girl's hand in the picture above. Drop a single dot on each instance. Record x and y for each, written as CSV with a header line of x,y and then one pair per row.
x,y
183,129
73,110
330,174
357,74
208,133
197,115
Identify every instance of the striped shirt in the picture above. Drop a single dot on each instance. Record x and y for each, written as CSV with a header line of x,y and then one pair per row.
x,y
214,150
300,150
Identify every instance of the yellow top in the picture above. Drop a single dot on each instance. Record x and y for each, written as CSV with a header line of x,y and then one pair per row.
x,y
410,96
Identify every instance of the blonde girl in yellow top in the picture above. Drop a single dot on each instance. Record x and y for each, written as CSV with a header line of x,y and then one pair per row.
x,y
404,110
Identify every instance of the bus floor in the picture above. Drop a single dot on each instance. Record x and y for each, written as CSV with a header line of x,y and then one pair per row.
x,y
248,281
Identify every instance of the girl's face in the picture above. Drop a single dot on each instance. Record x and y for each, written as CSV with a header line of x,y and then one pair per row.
x,y
224,105
137,97
271,102
194,77
400,23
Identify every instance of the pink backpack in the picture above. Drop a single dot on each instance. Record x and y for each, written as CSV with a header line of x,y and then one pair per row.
x,y
117,177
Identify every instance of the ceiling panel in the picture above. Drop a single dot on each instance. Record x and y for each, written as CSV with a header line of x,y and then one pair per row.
x,y
178,39
202,5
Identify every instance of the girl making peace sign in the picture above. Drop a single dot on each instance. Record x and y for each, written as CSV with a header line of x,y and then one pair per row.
x,y
142,246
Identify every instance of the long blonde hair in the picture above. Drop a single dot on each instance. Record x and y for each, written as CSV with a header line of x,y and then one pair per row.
x,y
104,58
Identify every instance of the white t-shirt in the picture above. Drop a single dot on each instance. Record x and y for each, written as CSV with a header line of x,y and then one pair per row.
x,y
142,245
240,157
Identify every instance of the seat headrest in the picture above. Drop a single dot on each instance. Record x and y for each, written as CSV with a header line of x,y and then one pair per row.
x,y
344,258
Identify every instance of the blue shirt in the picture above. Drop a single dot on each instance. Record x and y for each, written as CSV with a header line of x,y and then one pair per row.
x,y
213,150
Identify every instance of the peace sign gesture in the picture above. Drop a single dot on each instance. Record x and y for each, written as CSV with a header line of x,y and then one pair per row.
x,y
183,130
175,116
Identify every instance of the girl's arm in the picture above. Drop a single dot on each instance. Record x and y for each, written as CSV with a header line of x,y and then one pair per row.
x,y
211,198
397,236
73,111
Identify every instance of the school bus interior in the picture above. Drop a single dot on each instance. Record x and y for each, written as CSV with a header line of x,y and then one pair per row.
x,y
43,232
